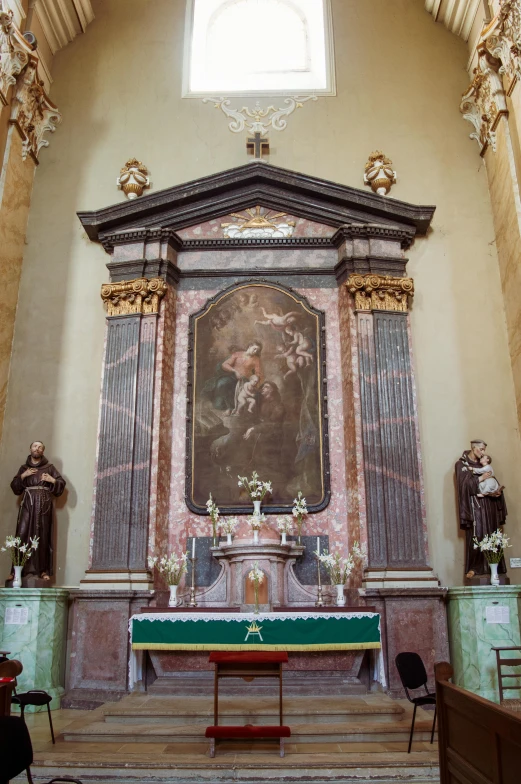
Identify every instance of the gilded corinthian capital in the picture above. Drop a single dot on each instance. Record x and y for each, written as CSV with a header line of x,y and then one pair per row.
x,y
14,52
380,292
131,297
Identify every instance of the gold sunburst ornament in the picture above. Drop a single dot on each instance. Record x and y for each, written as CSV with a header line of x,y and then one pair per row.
x,y
254,223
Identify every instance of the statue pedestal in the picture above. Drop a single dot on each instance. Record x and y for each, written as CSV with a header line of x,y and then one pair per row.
x,y
33,628
472,634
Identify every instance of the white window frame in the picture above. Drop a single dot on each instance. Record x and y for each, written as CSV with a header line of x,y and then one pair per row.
x,y
330,88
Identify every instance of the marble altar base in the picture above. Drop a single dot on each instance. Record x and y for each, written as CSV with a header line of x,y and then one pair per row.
x,y
472,637
39,641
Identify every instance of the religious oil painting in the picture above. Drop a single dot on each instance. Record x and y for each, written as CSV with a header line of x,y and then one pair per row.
x,y
257,400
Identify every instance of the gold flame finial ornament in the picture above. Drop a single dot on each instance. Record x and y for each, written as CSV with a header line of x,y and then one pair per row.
x,y
133,178
379,174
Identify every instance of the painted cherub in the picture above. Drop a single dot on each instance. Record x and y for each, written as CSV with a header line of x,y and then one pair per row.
x,y
246,396
297,351
278,321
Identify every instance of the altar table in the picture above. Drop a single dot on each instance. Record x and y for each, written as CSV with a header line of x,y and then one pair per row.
x,y
267,631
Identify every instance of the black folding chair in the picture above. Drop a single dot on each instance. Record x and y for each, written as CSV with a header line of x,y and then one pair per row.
x,y
413,676
36,697
16,751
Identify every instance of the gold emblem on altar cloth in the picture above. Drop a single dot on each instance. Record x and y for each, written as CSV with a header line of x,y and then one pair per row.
x,y
254,628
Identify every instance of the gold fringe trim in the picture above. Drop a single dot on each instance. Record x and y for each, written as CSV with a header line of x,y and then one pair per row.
x,y
187,646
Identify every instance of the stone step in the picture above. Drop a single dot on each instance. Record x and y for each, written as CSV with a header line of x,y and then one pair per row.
x,y
339,732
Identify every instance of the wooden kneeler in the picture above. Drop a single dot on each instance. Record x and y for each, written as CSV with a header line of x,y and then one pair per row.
x,y
247,732
247,665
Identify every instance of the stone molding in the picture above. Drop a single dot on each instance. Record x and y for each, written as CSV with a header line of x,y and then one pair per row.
x,y
380,292
133,297
484,103
353,231
502,38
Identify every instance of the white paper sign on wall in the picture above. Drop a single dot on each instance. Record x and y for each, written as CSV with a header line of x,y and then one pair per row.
x,y
497,613
18,616
515,563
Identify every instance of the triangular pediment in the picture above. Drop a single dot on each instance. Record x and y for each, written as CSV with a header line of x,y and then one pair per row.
x,y
280,190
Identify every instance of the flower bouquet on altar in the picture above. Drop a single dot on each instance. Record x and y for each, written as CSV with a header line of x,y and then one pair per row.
x,y
285,526
493,546
19,554
228,526
256,489
213,511
256,521
340,568
299,511
172,569
256,575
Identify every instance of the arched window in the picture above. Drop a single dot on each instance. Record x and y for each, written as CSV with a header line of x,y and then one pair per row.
x,y
259,46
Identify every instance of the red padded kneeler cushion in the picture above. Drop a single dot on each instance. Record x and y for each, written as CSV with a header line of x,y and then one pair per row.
x,y
248,657
248,731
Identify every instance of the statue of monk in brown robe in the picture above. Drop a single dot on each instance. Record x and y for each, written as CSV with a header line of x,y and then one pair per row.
x,y
479,514
39,481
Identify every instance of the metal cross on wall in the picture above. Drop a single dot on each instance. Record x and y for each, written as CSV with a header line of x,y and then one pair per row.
x,y
258,144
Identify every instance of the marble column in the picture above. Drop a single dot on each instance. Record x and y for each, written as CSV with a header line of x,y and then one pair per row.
x,y
398,579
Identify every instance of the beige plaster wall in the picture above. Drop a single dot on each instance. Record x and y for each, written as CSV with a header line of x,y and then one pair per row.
x,y
399,81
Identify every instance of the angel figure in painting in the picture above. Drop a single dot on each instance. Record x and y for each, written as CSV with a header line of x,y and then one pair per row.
x,y
278,321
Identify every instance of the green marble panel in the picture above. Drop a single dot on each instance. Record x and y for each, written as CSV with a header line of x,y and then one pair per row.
x,y
40,643
471,637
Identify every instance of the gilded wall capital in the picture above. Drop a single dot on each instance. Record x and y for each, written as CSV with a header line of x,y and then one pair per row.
x,y
502,38
32,112
484,103
129,297
380,292
14,53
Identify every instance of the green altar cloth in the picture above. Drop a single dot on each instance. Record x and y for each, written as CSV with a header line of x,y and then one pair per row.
x,y
263,632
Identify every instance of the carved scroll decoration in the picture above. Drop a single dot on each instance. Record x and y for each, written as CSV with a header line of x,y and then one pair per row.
x,y
14,53
33,112
380,292
502,38
484,103
259,120
131,297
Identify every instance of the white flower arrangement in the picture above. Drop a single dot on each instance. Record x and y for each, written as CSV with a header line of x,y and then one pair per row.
x,y
256,522
172,567
285,525
213,511
229,524
18,552
299,511
256,575
255,487
340,568
492,546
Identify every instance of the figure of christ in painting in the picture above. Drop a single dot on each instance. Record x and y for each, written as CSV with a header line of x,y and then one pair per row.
x,y
38,481
479,514
246,396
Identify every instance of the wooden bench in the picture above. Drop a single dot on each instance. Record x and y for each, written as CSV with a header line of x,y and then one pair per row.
x,y
246,665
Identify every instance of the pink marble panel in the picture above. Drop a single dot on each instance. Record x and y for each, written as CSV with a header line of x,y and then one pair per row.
x,y
209,229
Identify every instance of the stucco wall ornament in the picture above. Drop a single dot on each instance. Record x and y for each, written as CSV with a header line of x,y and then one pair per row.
x,y
484,103
133,178
32,111
502,38
255,223
259,120
14,52
379,173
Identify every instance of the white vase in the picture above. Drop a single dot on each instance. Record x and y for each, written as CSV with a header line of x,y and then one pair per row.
x,y
283,537
172,601
340,598
17,581
256,508
228,538
494,579
255,536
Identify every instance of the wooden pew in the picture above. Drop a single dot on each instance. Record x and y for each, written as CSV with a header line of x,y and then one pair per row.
x,y
479,742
